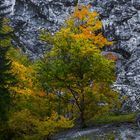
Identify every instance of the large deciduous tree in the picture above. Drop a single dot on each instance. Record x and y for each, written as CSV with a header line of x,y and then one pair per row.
x,y
75,65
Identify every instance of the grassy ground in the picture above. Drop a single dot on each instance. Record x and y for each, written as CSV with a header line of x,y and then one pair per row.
x,y
108,119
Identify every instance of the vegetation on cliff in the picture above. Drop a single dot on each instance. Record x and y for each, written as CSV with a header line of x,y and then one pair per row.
x,y
71,85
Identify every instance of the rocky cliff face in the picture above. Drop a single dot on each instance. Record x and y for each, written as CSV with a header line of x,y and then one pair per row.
x,y
32,15
6,7
121,19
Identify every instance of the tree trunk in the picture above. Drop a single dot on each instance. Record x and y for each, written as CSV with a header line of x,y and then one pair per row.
x,y
82,119
80,105
82,110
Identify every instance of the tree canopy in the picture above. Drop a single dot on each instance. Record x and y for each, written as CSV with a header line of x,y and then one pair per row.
x,y
75,65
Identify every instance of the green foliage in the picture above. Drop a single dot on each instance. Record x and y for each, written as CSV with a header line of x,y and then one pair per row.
x,y
75,66
5,32
6,77
31,114
32,118
15,54
112,118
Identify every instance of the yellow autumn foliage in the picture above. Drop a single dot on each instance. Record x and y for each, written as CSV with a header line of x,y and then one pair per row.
x,y
24,78
86,24
24,124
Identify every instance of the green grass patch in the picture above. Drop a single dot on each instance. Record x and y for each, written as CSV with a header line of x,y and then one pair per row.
x,y
108,119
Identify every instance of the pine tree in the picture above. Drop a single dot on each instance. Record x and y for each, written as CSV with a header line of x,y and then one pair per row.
x,y
6,77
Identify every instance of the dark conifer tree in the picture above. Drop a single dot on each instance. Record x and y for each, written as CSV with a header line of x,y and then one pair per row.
x,y
6,78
